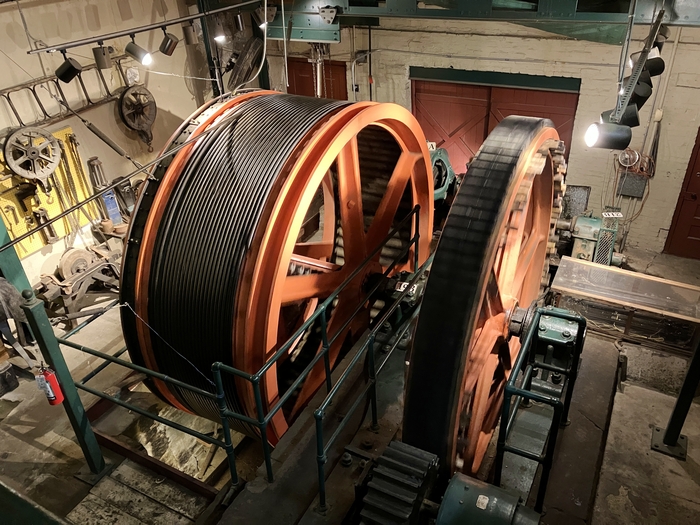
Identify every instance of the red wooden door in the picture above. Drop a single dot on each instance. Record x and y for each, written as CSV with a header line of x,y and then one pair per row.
x,y
558,107
459,117
301,78
684,236
454,116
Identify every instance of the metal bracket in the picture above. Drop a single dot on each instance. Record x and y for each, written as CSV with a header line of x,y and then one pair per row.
x,y
84,474
327,14
679,450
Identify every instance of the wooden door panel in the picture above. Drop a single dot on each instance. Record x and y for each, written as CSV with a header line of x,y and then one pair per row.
x,y
454,116
301,78
684,236
559,107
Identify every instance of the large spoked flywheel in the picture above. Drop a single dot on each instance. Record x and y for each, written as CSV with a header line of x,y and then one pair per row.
x,y
223,262
489,259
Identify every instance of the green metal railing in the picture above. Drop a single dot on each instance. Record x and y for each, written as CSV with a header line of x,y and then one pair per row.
x,y
49,345
561,408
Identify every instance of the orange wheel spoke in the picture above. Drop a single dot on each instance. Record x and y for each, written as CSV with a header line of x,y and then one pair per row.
x,y
350,197
527,256
317,250
480,406
300,287
381,224
315,264
490,336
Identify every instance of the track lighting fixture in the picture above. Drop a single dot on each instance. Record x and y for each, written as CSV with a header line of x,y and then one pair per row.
x,y
630,117
169,43
102,58
70,69
190,34
634,57
219,34
640,94
138,53
608,136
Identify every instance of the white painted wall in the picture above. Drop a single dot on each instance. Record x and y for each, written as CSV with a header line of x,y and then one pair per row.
x,y
503,47
58,21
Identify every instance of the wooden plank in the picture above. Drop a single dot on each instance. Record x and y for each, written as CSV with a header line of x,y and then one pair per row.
x,y
137,504
155,465
95,511
163,490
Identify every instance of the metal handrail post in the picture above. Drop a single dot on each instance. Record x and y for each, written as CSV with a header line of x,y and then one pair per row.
x,y
48,344
262,425
221,402
373,382
325,349
320,461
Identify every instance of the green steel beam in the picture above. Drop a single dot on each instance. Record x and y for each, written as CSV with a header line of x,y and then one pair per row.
x,y
10,265
493,78
51,352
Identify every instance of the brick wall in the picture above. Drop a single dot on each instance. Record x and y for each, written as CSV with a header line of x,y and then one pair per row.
x,y
495,46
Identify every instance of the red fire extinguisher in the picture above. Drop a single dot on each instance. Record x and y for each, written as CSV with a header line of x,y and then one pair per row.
x,y
48,383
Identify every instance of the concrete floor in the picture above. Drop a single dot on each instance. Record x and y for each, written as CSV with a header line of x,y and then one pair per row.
x,y
663,265
638,485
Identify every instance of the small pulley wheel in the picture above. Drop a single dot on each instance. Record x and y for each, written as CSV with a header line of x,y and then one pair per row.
x,y
74,261
137,109
32,153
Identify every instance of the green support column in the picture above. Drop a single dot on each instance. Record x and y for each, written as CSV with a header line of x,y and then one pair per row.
x,y
10,265
39,322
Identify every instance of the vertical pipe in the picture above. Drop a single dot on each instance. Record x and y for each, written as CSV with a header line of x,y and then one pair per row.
x,y
369,60
320,462
684,401
45,338
221,402
263,429
416,237
202,7
325,350
373,381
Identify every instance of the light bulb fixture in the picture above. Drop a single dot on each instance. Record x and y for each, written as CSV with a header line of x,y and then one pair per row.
x,y
634,57
190,34
169,43
240,23
263,25
655,66
138,53
630,117
70,69
102,58
640,94
219,34
608,136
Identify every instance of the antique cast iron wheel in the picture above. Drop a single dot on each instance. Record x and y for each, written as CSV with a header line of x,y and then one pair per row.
x,y
489,259
217,266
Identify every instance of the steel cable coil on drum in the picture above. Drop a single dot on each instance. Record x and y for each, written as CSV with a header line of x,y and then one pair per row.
x,y
220,265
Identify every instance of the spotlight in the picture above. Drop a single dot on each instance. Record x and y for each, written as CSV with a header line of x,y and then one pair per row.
x,y
219,35
169,43
608,136
664,33
190,34
70,69
655,66
138,53
641,94
630,117
102,58
240,23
